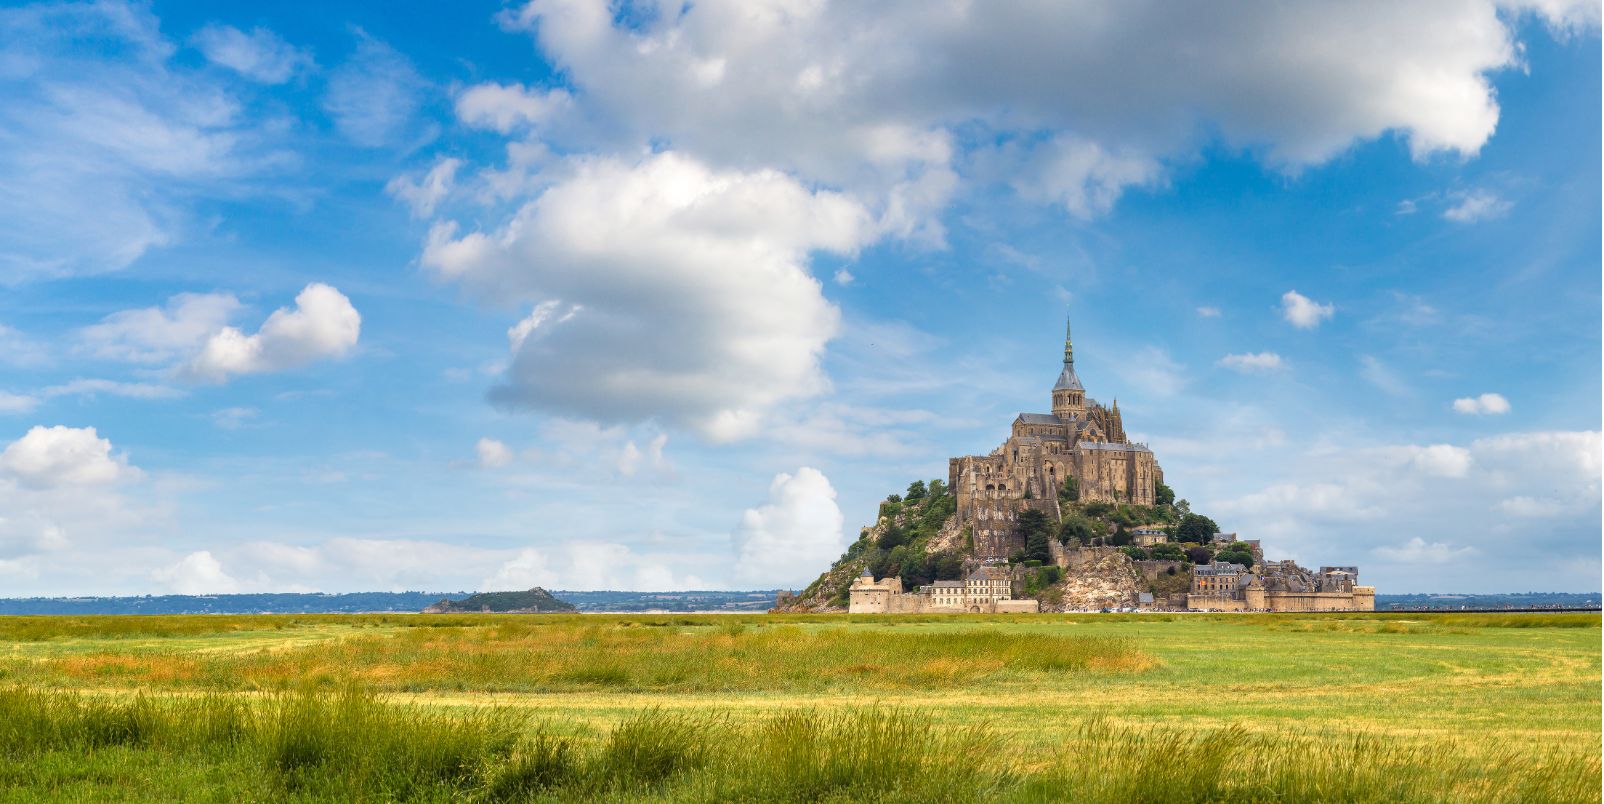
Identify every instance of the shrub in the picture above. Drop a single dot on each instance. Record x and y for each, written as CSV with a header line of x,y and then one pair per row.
x,y
1199,555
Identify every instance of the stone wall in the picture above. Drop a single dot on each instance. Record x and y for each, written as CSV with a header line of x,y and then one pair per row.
x,y
1151,568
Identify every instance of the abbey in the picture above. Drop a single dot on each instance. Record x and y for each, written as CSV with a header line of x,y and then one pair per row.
x,y
1080,439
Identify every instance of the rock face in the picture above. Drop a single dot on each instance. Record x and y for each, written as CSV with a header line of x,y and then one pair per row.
x,y
1107,580
534,601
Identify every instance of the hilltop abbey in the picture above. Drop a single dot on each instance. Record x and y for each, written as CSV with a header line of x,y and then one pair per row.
x,y
1080,439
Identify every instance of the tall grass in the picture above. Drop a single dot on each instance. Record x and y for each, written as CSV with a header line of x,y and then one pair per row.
x,y
350,746
520,656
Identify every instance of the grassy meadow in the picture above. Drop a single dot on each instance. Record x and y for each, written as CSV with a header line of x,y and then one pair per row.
x,y
1118,708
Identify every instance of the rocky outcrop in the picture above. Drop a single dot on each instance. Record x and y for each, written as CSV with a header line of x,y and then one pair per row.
x,y
534,601
1106,579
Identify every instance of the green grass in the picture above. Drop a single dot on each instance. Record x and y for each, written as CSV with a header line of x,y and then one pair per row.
x,y
1129,708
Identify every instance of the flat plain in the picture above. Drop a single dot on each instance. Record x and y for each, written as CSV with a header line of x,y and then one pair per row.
x,y
1467,707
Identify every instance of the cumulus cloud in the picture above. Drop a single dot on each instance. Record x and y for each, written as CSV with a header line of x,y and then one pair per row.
x,y
1303,313
1443,460
1335,503
1486,403
631,459
492,453
1245,363
260,55
157,334
423,195
664,288
196,574
1476,206
504,108
795,532
323,324
48,457
375,95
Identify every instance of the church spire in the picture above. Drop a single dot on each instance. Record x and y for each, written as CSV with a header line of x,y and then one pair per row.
x,y
1067,381
1069,348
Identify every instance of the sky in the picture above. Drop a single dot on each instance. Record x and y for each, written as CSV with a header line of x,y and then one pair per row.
x,y
358,296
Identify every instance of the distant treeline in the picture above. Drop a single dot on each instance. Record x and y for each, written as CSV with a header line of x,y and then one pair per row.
x,y
372,601
1515,600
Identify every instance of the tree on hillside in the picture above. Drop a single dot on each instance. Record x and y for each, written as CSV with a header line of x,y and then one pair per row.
x,y
1168,551
1075,528
916,491
1199,555
1183,507
946,566
1235,557
1037,529
1121,536
1163,495
1136,553
893,536
1070,491
938,488
1196,528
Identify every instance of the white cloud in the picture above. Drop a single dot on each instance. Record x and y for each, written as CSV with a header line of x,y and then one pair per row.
x,y
423,195
1382,377
492,453
787,539
323,324
157,335
260,55
1406,207
1476,206
1245,363
1486,403
525,571
30,534
1417,551
1208,312
631,459
505,108
682,292
1082,176
196,574
48,457
844,277
1303,313
374,97
17,403
1443,460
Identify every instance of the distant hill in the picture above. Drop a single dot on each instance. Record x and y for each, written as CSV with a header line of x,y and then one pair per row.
x,y
533,601
288,603
399,602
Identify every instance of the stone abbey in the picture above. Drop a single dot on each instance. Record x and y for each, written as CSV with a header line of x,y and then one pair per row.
x,y
1080,439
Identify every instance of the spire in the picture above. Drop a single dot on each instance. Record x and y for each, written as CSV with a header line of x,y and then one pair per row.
x,y
1067,381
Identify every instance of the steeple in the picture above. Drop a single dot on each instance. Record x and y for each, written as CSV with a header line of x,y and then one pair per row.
x,y
1069,396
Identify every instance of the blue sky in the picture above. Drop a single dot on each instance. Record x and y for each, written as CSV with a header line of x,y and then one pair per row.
x,y
352,296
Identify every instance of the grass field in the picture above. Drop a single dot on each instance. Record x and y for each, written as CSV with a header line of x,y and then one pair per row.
x,y
1129,708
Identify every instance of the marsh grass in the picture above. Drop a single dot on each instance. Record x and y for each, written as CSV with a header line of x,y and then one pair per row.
x,y
351,746
522,656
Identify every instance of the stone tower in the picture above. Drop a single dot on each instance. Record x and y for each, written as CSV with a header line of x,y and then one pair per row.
x,y
1069,396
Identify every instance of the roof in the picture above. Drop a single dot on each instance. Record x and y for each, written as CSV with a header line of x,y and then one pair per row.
x,y
1144,597
1114,447
948,584
1067,381
1039,418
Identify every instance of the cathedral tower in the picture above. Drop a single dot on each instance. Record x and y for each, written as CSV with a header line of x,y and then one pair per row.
x,y
1069,396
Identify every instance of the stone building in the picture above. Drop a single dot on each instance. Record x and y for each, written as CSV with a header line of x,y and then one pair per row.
x,y
986,590
1282,586
1080,439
